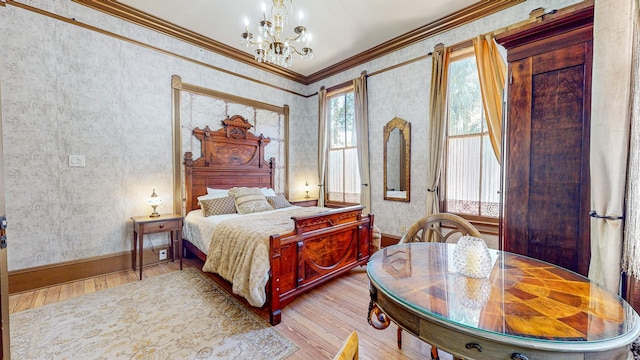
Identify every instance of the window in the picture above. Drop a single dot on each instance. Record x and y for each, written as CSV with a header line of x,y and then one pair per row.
x,y
472,172
343,176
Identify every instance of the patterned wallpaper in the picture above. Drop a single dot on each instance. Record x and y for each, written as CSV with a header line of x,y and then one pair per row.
x,y
69,90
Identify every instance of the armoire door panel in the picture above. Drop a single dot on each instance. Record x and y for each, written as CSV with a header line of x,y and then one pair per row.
x,y
555,60
517,158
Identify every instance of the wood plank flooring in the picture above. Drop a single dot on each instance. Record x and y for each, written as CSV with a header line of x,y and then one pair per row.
x,y
318,321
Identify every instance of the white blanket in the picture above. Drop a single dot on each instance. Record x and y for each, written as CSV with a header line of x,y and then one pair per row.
x,y
238,249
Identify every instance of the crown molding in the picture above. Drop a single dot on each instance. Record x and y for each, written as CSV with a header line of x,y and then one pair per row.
x,y
128,13
464,16
471,13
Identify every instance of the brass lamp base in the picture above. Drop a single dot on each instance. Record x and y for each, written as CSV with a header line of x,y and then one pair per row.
x,y
154,213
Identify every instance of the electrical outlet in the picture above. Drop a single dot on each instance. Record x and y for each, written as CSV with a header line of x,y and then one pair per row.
x,y
163,254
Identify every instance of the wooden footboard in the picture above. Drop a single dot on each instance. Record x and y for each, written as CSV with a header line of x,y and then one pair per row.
x,y
319,248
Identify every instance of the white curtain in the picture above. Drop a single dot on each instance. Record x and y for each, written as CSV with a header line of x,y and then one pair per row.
x,y
362,131
322,142
631,257
610,124
437,117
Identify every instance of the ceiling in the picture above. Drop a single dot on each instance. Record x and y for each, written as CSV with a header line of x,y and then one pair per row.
x,y
341,29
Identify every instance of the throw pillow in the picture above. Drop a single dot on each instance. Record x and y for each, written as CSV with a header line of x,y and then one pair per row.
x,y
278,201
249,200
216,195
218,206
217,192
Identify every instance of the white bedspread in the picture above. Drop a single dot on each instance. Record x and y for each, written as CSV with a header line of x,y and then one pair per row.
x,y
237,246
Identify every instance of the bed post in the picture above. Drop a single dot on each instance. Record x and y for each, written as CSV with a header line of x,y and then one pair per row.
x,y
272,166
275,313
188,171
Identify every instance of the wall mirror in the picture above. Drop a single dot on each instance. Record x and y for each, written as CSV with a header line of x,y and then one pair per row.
x,y
397,160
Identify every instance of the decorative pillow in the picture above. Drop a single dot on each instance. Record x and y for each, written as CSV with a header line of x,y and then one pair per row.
x,y
278,201
218,206
218,192
216,195
249,200
268,192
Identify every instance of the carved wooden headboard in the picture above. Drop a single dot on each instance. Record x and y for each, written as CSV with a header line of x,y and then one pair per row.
x,y
231,157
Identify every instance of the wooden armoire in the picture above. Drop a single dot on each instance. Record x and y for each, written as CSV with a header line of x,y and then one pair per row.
x,y
546,147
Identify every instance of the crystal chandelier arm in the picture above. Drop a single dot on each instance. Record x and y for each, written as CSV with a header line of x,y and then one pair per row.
x,y
304,51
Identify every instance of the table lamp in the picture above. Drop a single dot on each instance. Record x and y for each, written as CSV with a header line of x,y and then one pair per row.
x,y
154,201
306,189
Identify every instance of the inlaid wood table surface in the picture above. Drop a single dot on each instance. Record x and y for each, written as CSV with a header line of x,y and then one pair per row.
x,y
524,308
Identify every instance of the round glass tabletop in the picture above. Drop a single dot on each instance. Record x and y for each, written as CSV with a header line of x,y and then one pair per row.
x,y
519,297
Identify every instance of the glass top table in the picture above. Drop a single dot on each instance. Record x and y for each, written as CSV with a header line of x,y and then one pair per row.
x,y
524,308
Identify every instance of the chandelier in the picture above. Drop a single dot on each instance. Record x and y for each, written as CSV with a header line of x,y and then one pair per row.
x,y
271,47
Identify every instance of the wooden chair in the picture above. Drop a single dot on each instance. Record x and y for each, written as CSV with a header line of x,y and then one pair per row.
x,y
349,350
441,227
433,225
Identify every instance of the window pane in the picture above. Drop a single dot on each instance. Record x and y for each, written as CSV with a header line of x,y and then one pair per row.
x,y
352,176
350,121
336,121
472,170
490,180
465,99
335,181
343,176
463,175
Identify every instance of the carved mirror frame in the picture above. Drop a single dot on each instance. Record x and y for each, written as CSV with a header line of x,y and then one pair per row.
x,y
405,164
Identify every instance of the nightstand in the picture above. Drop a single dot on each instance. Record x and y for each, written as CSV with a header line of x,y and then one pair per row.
x,y
304,202
150,225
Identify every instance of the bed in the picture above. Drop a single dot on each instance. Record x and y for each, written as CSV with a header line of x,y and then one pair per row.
x,y
319,244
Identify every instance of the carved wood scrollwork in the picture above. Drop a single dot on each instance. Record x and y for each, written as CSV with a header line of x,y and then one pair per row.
x,y
237,127
233,145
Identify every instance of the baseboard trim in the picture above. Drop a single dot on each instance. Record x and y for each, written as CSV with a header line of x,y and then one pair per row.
x,y
387,240
54,274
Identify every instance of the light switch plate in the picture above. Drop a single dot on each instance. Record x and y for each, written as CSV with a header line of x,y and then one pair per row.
x,y
76,160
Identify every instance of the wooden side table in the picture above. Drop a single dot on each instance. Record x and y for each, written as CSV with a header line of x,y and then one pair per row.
x,y
304,202
151,225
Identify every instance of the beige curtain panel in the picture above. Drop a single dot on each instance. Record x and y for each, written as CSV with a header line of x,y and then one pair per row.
x,y
610,125
362,131
631,253
437,123
322,142
492,71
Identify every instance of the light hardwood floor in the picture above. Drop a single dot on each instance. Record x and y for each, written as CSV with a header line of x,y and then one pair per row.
x,y
318,321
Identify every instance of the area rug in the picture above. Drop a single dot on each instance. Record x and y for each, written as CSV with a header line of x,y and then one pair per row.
x,y
180,315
